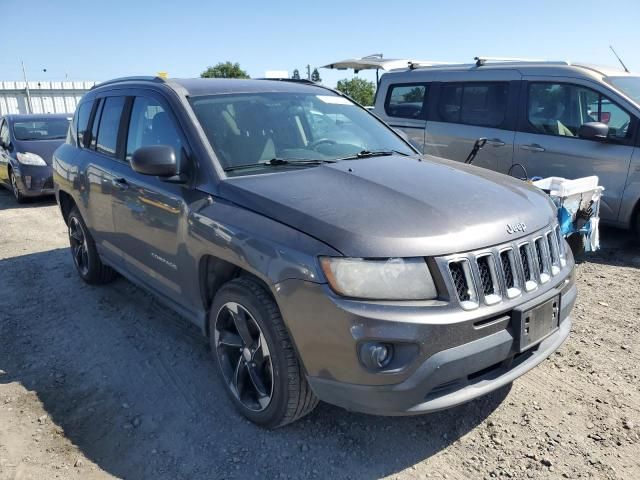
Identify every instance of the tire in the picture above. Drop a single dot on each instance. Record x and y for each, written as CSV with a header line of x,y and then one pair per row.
x,y
15,189
636,225
84,253
577,243
270,389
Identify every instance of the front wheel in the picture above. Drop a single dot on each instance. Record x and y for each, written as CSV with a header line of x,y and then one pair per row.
x,y
84,253
258,364
15,189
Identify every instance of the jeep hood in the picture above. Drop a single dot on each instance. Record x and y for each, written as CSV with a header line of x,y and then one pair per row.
x,y
395,206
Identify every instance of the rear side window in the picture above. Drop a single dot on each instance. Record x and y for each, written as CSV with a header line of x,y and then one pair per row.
x,y
406,100
91,141
481,104
150,124
81,122
109,125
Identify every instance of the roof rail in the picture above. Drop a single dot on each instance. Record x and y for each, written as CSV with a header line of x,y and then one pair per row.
x,y
293,80
147,78
480,61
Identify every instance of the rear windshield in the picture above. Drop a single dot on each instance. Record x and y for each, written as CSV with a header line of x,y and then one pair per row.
x,y
253,128
41,129
630,86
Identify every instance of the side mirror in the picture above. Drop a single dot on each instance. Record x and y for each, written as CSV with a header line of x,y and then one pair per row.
x,y
156,160
593,131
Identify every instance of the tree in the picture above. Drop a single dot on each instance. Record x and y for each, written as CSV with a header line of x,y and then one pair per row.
x,y
361,90
225,70
416,94
296,74
315,76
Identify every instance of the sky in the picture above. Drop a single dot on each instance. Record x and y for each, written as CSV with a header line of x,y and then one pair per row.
x,y
90,40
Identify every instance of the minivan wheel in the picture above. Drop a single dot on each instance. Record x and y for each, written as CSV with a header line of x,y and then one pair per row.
x,y
258,364
84,253
15,189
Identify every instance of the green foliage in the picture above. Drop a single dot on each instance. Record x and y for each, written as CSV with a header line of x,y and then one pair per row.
x,y
296,74
361,90
225,70
315,76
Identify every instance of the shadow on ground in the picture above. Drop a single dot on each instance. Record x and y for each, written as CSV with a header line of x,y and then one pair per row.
x,y
132,385
617,247
8,202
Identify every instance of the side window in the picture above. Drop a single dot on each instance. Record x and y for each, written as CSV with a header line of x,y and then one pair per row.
x,y
481,104
81,121
406,101
94,127
4,133
560,109
109,125
150,124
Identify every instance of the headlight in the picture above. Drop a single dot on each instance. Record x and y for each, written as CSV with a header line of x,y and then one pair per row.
x,y
28,158
390,279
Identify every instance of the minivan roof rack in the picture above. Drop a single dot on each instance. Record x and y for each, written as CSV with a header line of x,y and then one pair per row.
x,y
482,60
147,78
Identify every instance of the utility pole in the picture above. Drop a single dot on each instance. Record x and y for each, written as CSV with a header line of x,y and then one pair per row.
x,y
26,88
308,72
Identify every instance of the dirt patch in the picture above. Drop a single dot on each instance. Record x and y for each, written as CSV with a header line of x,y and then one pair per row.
x,y
102,381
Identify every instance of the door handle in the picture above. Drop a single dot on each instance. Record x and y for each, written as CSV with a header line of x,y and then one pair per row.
x,y
534,147
496,142
120,183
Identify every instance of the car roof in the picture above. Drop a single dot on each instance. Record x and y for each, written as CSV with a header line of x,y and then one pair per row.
x,y
15,117
194,87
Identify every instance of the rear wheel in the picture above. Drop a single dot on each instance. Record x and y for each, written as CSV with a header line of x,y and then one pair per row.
x,y
258,364
84,253
15,189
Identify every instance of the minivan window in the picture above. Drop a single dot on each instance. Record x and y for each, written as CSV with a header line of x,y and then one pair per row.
x,y
560,109
474,103
151,125
257,127
630,86
82,121
109,125
406,100
4,133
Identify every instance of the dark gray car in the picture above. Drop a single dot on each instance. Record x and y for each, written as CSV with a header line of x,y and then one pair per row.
x,y
27,143
319,253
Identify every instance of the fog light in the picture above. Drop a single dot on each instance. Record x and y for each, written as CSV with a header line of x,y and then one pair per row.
x,y
27,180
376,355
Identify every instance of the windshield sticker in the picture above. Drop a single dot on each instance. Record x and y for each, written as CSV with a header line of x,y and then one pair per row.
x,y
336,100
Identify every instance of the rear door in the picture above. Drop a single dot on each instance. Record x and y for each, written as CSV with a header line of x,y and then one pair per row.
x,y
469,105
547,143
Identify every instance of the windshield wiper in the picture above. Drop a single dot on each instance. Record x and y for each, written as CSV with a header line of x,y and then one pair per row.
x,y
274,162
376,153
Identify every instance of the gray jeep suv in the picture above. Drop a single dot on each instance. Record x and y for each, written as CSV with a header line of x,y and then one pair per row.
x,y
321,255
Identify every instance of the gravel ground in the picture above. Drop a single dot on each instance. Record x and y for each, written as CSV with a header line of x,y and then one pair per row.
x,y
98,382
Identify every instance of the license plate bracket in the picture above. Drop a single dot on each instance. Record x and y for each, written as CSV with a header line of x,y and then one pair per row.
x,y
532,325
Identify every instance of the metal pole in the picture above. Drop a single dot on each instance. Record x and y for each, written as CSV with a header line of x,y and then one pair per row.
x,y
308,72
26,88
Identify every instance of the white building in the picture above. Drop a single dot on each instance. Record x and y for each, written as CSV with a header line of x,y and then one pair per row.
x,y
43,97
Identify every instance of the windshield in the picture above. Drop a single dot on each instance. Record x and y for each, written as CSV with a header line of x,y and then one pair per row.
x,y
630,86
248,129
41,129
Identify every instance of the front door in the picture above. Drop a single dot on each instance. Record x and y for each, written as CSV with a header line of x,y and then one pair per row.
x,y
548,143
149,213
4,154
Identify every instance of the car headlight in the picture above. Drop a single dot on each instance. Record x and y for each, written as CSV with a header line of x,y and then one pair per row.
x,y
388,279
28,158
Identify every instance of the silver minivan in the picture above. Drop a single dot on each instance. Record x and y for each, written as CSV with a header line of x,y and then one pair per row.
x,y
539,119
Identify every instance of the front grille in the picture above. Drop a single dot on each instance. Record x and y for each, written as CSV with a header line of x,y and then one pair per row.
x,y
486,279
460,281
524,258
505,271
